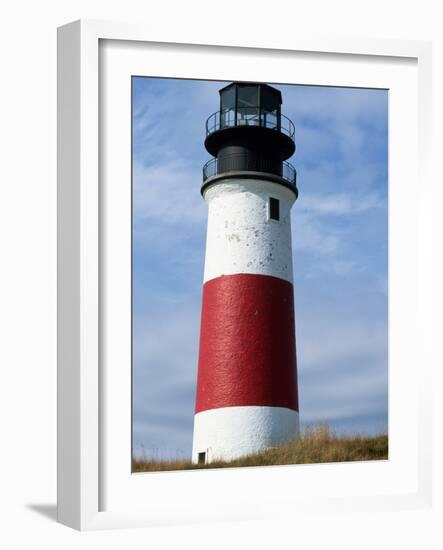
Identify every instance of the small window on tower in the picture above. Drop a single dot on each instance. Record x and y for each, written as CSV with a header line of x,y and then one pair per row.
x,y
274,209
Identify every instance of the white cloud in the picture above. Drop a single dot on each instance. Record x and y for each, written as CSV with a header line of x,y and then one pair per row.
x,y
168,194
338,204
342,367
165,369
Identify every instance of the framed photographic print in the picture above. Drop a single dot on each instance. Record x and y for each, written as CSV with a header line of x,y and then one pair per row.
x,y
201,188
246,396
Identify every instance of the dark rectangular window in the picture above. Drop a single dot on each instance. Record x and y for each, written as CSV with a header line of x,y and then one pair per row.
x,y
202,458
228,98
248,113
270,107
247,96
274,209
227,108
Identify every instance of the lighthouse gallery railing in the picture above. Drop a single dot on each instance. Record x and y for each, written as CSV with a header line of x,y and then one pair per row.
x,y
243,161
249,116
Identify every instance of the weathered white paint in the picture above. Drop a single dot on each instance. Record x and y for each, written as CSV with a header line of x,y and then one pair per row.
x,y
241,238
232,432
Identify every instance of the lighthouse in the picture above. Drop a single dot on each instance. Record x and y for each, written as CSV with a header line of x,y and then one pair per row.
x,y
247,397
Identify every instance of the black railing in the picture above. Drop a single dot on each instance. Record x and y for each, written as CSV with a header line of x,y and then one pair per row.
x,y
244,162
249,116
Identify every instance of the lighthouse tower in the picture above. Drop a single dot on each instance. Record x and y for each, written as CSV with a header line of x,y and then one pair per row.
x,y
247,398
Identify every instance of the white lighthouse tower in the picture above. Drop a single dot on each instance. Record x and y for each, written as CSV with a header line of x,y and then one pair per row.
x,y
247,397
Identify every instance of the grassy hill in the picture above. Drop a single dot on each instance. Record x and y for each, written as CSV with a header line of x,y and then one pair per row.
x,y
314,446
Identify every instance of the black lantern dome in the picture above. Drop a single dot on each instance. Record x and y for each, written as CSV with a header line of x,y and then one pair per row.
x,y
250,134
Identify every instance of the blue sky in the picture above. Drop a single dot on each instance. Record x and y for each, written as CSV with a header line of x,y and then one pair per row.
x,y
339,233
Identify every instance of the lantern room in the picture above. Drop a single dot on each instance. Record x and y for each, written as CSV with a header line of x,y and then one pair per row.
x,y
250,105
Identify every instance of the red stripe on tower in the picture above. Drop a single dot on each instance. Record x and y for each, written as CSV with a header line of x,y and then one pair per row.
x,y
247,343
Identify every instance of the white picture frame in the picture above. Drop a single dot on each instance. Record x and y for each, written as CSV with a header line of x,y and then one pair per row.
x,y
83,397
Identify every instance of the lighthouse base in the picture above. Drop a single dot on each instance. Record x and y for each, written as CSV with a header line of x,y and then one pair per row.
x,y
232,432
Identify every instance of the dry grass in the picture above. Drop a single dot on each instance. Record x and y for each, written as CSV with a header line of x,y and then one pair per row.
x,y
316,445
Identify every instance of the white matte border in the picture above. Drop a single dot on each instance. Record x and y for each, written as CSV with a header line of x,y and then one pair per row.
x,y
86,513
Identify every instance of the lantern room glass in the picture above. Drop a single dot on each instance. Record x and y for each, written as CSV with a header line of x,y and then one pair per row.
x,y
270,108
228,107
248,106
